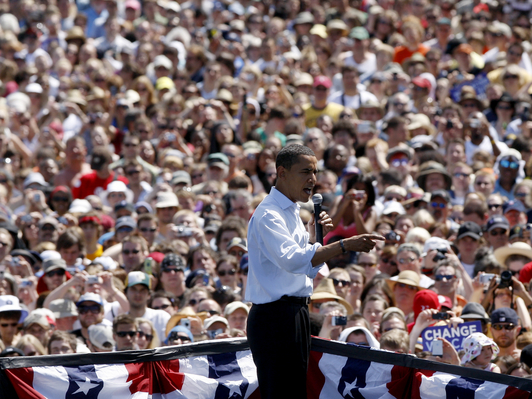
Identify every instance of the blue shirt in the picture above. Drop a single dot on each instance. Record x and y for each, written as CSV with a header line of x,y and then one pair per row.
x,y
498,189
279,252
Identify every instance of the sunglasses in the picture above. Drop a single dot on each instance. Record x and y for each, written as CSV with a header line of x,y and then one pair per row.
x,y
142,334
60,199
367,264
125,230
123,334
438,205
389,260
128,252
341,283
223,273
494,206
497,233
507,327
58,272
162,307
9,325
130,145
406,260
175,337
146,230
172,269
132,172
94,309
461,175
410,287
399,162
506,163
440,277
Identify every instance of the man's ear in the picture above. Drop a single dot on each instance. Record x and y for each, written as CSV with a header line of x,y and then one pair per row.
x,y
281,172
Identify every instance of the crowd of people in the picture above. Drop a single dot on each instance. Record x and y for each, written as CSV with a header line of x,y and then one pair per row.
x,y
137,138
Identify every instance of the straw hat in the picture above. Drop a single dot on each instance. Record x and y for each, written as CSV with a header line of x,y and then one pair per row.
x,y
407,277
325,290
517,248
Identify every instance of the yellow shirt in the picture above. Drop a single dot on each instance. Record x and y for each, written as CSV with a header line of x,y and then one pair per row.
x,y
95,254
312,114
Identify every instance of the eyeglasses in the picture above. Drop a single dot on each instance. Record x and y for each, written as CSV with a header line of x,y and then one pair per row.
x,y
125,230
142,334
132,252
162,307
440,277
175,336
146,230
494,206
460,174
507,327
131,144
389,260
438,205
482,183
94,309
57,272
172,269
410,259
506,163
223,273
5,325
509,77
321,88
504,107
410,287
123,334
399,162
341,283
132,172
521,195
60,199
497,232
366,264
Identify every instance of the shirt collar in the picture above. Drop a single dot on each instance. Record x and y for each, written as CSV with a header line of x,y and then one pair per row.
x,y
282,199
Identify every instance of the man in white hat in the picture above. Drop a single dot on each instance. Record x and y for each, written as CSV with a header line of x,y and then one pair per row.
x,y
11,315
166,207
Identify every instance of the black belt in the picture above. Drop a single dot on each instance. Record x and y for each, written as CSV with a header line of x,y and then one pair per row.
x,y
299,300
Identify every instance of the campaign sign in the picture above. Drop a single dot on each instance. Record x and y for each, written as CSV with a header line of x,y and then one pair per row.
x,y
455,336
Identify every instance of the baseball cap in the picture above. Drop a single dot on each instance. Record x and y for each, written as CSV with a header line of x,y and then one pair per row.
x,y
80,206
37,318
10,303
134,278
48,220
179,329
163,83
470,229
422,82
124,205
359,33
90,297
167,200
238,242
497,221
441,194
513,206
211,320
34,88
34,178
133,4
425,299
218,159
162,60
233,306
53,264
474,310
504,315
322,81
181,177
435,243
172,259
101,336
63,308
125,221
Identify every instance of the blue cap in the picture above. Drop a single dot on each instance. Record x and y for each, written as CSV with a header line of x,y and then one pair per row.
x,y
90,296
504,315
145,205
513,206
179,329
497,221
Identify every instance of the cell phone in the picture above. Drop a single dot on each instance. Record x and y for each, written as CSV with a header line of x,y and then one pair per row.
x,y
36,197
364,127
339,320
359,194
170,136
486,278
25,283
93,280
449,124
26,219
185,323
437,348
15,261
213,333
474,123
441,316
148,266
62,220
206,280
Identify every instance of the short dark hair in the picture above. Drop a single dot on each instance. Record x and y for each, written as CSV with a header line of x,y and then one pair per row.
x,y
289,155
344,125
394,122
124,319
58,335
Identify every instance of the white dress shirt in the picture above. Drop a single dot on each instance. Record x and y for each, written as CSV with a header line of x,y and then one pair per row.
x,y
279,252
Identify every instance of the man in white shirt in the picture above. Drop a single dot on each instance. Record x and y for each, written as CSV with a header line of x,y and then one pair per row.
x,y
138,293
283,260
351,97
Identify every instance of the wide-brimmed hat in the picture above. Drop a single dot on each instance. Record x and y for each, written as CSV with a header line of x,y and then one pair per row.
x,y
369,104
471,96
517,248
431,167
76,33
407,277
417,58
325,290
505,97
421,121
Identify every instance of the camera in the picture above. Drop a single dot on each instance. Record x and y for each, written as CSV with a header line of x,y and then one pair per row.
x,y
93,280
339,320
213,333
440,255
183,231
392,236
506,279
474,123
449,124
359,194
185,323
486,278
441,316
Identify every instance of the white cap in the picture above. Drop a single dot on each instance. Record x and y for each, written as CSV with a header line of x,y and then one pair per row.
x,y
100,335
393,207
9,303
211,320
162,60
34,88
80,206
435,243
233,306
47,255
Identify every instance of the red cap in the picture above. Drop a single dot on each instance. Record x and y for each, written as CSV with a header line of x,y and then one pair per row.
x,y
63,189
322,81
445,301
134,4
107,221
156,256
57,127
425,299
10,87
525,275
422,82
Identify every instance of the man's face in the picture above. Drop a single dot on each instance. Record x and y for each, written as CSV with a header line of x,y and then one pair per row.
x,y
504,337
149,230
202,260
54,278
8,328
300,179
439,208
166,215
404,294
498,237
69,255
60,347
408,260
48,232
39,332
369,263
238,319
435,181
509,167
90,313
467,245
65,323
456,153
359,338
446,281
138,295
132,255
241,208
125,337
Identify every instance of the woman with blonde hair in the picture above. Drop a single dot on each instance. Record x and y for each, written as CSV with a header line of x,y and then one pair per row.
x,y
147,337
31,346
143,86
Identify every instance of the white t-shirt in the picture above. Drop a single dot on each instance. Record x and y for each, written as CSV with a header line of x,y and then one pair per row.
x,y
368,66
159,318
352,102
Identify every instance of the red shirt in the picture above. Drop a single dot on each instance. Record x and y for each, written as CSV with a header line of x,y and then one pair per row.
x,y
90,184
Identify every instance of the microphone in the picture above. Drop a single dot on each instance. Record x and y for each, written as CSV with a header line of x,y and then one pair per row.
x,y
317,199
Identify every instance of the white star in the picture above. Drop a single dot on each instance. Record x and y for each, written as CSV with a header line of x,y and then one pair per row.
x,y
85,387
349,387
233,388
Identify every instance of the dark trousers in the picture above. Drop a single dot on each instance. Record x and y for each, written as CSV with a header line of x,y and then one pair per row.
x,y
279,339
